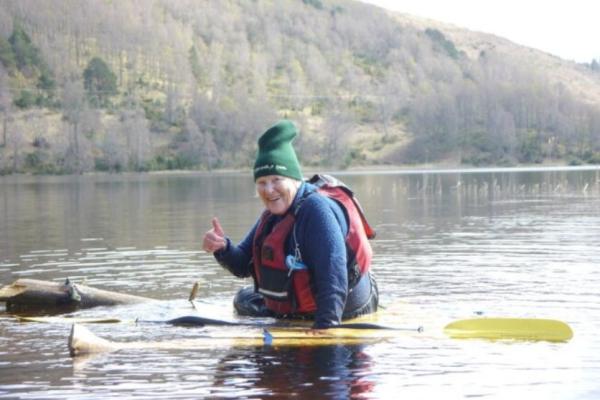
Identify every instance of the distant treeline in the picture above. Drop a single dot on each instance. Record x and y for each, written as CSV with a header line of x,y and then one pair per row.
x,y
156,84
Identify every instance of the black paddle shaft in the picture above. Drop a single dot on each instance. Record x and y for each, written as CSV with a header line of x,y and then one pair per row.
x,y
193,320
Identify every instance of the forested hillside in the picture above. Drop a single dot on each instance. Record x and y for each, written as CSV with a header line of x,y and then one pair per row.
x,y
157,84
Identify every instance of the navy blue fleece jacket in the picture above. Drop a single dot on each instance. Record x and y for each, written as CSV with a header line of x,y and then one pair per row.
x,y
321,227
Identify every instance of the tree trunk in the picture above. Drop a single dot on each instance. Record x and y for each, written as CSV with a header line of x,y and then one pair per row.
x,y
31,295
15,156
76,150
4,129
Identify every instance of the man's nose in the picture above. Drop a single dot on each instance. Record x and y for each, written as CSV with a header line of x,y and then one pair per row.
x,y
270,187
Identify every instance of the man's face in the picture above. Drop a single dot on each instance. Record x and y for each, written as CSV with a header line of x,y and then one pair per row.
x,y
277,192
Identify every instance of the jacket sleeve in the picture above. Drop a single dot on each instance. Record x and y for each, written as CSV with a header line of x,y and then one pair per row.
x,y
323,228
238,259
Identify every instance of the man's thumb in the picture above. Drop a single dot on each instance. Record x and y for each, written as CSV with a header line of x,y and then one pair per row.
x,y
217,227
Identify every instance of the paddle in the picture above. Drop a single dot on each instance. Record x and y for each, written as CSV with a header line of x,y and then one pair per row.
x,y
478,328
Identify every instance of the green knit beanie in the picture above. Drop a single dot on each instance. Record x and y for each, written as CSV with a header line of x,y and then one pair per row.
x,y
276,156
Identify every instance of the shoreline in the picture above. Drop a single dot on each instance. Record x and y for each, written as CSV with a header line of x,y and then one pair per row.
x,y
309,171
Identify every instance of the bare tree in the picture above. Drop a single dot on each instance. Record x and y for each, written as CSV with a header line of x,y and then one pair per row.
x,y
209,153
172,104
336,130
15,144
435,121
78,152
113,148
134,127
6,22
501,135
5,102
190,147
197,148
393,94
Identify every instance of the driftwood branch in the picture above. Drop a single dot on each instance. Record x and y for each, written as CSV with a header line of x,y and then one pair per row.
x,y
31,295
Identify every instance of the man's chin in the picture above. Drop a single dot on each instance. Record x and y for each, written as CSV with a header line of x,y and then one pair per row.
x,y
277,209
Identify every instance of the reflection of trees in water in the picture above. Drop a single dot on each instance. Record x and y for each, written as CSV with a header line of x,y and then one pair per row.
x,y
333,372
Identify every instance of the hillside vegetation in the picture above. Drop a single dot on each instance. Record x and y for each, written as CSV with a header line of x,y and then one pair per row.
x,y
190,84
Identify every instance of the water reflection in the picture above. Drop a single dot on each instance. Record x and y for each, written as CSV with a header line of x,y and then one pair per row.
x,y
332,372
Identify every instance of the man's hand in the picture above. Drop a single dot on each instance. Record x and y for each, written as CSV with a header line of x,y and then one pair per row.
x,y
214,239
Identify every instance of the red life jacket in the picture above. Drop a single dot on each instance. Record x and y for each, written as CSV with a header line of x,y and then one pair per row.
x,y
288,291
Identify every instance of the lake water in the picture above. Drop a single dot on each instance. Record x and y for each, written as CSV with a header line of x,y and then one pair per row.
x,y
450,245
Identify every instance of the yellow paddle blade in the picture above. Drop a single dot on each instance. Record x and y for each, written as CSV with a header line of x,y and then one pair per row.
x,y
510,328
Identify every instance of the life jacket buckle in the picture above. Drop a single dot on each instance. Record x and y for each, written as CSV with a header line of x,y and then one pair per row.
x,y
293,264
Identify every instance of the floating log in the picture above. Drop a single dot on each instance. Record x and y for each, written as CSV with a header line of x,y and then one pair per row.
x,y
32,295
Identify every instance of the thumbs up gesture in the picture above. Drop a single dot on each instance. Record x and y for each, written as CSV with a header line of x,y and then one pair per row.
x,y
214,239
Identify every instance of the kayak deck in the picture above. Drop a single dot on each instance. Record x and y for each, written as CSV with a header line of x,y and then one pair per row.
x,y
83,341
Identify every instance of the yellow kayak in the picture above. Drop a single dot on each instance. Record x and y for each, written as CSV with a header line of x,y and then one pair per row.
x,y
83,341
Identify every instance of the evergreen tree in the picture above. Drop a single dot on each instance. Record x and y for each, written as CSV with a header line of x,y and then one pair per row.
x,y
99,82
27,56
21,54
47,84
